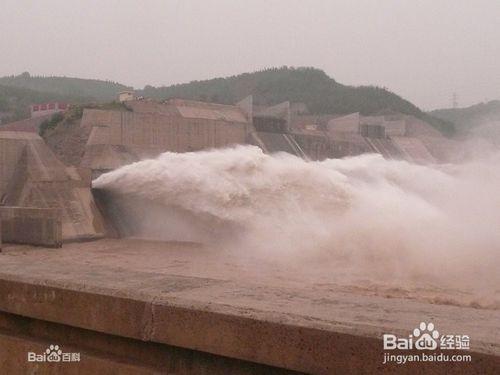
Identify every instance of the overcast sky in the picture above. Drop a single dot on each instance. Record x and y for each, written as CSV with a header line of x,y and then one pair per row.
x,y
424,50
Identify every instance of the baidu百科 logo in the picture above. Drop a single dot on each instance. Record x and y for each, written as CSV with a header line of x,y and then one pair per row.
x,y
53,353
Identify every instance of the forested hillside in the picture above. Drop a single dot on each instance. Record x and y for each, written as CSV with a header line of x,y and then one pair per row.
x,y
91,89
15,102
471,117
311,86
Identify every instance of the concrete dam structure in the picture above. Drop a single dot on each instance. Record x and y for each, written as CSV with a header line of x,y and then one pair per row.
x,y
114,300
118,138
147,128
32,177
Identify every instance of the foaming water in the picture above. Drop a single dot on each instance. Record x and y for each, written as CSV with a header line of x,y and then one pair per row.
x,y
361,216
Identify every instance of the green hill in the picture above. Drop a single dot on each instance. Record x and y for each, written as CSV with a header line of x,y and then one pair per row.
x,y
15,101
466,119
90,89
311,86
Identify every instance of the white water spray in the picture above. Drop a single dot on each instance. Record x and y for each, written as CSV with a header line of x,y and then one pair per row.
x,y
387,219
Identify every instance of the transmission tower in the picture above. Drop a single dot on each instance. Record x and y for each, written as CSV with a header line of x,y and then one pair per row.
x,y
454,100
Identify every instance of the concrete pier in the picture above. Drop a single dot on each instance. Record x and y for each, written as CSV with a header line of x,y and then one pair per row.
x,y
33,226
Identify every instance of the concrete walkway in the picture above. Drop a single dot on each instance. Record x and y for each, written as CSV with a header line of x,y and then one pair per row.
x,y
216,302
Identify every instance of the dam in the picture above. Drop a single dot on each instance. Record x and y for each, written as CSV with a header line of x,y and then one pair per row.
x,y
206,238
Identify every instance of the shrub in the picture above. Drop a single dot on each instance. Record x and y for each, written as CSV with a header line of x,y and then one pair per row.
x,y
50,123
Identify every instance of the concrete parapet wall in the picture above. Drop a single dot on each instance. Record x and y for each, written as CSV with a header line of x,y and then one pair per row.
x,y
216,340
120,138
139,303
34,226
167,132
100,353
348,123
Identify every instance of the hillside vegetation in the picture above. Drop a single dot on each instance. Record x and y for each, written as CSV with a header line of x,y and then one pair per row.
x,y
15,102
88,89
311,86
321,94
466,119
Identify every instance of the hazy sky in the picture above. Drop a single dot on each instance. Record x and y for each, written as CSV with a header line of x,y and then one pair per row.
x,y
423,50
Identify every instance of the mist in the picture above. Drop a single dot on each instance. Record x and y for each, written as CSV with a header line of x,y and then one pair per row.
x,y
361,217
422,50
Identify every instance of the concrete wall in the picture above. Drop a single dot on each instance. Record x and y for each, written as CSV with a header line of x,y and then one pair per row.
x,y
119,138
322,147
32,176
33,226
395,127
139,316
170,133
278,111
313,147
348,123
11,154
101,353
413,149
246,105
31,125
418,128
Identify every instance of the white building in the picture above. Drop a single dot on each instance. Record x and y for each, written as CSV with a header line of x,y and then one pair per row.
x,y
126,96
